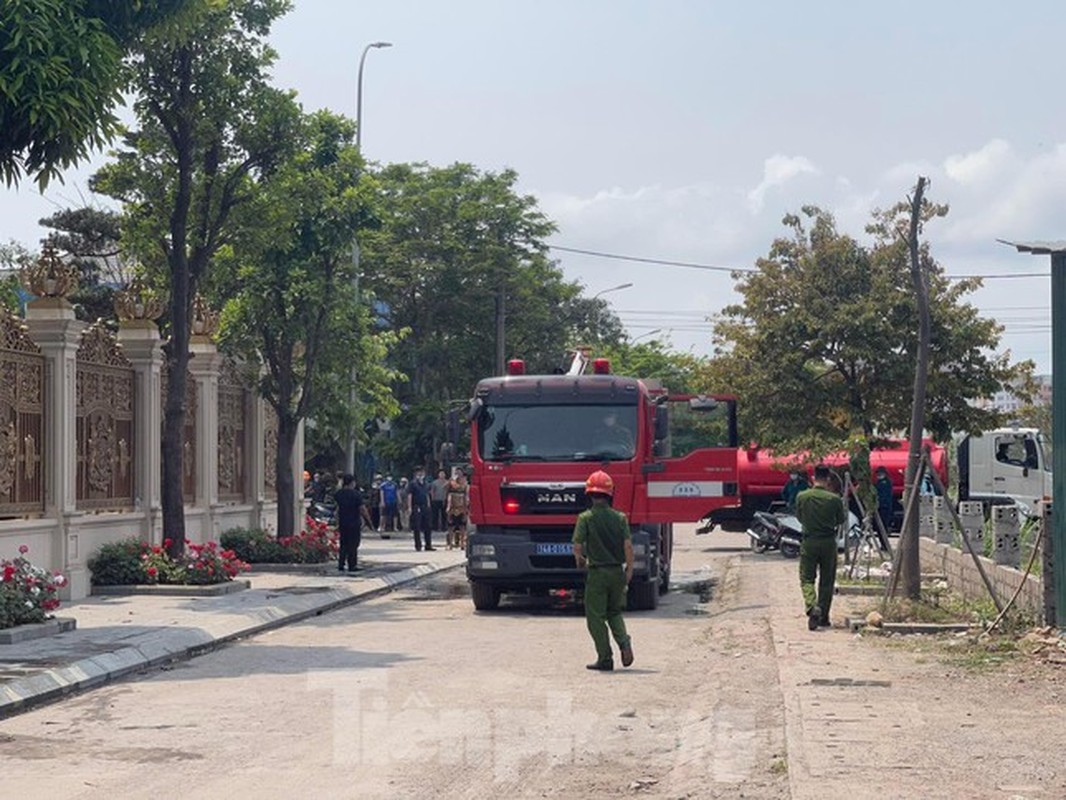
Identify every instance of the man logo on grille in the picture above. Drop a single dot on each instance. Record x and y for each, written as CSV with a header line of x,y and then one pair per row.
x,y
557,497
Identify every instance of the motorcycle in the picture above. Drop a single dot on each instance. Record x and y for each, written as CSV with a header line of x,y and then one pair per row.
x,y
775,531
781,531
323,512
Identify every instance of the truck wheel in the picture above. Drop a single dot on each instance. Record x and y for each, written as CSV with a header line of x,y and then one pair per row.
x,y
643,596
790,551
664,582
486,597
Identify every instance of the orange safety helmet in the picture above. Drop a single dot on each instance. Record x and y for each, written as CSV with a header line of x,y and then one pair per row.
x,y
599,482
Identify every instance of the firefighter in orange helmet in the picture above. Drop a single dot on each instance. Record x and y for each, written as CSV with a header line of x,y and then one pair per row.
x,y
603,546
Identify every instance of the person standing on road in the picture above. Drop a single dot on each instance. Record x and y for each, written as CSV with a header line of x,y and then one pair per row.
x,y
796,483
886,504
375,503
821,512
457,504
603,546
390,517
350,513
418,494
438,496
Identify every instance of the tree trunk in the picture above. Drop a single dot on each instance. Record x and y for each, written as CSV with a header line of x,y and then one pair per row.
x,y
174,419
283,478
910,566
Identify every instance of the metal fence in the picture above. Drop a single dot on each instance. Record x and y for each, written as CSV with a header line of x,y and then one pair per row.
x,y
21,420
104,423
233,407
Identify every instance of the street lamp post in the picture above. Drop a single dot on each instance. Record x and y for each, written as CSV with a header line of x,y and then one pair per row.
x,y
353,397
359,94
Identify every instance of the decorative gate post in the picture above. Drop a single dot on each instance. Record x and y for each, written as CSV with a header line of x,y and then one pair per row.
x,y
204,367
137,309
50,320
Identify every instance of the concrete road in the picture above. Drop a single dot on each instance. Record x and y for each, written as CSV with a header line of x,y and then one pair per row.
x,y
418,695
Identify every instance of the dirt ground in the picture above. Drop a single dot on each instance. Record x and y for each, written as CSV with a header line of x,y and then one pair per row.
x,y
417,695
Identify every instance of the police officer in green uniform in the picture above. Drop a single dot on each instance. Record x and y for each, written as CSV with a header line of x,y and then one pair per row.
x,y
821,513
602,544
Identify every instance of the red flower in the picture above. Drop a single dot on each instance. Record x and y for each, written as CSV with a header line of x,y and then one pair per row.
x,y
152,572
9,573
157,549
167,543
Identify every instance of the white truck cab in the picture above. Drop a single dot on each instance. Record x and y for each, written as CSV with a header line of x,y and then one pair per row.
x,y
1003,466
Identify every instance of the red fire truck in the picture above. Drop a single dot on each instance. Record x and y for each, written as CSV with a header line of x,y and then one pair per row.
x,y
534,440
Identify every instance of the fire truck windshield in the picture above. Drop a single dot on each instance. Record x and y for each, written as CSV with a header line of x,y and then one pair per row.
x,y
557,432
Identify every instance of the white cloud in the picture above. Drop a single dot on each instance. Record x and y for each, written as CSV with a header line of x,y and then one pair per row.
x,y
980,165
994,192
778,170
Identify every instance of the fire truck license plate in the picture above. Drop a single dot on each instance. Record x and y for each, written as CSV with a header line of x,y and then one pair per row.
x,y
555,549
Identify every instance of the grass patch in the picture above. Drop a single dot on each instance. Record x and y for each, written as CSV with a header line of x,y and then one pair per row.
x,y
778,767
972,652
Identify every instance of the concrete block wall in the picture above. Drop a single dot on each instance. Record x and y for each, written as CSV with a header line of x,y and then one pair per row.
x,y
963,577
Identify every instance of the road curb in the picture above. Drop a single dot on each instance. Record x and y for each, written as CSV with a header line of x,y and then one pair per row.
x,y
21,695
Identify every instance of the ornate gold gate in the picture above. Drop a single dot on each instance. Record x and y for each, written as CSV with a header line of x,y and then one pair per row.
x,y
270,452
188,439
21,419
104,423
232,411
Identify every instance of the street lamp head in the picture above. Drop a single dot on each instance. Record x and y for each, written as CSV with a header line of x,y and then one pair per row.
x,y
612,289
381,44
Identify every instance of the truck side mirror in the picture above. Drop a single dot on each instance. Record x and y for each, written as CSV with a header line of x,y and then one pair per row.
x,y
475,409
662,423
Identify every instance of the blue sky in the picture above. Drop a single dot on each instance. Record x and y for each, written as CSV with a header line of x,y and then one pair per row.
x,y
685,129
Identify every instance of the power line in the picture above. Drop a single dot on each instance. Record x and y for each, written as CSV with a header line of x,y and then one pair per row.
x,y
749,270
640,260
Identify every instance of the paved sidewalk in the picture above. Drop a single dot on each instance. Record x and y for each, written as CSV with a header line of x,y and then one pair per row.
x,y
120,635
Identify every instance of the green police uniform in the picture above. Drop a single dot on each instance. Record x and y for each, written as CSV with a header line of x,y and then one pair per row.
x,y
822,513
602,532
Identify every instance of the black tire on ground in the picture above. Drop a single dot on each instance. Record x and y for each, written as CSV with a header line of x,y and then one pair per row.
x,y
643,596
486,597
790,551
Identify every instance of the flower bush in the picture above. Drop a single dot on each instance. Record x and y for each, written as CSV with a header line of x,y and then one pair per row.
x,y
315,545
132,561
27,593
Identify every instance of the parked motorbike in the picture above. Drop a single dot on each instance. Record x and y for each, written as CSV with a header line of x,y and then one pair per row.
x,y
323,512
770,531
782,531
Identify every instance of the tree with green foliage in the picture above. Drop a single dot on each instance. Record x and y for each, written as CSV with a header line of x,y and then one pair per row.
x,y
61,76
210,127
451,240
680,373
293,308
91,236
822,345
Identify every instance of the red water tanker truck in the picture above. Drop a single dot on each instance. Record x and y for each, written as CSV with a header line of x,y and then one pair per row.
x,y
761,476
